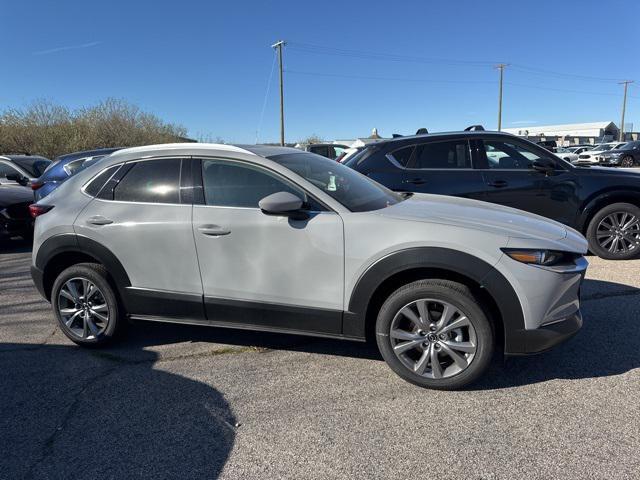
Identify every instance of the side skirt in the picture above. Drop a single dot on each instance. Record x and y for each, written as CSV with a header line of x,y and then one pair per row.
x,y
243,326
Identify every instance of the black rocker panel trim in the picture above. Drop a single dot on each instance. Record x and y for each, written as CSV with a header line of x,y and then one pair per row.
x,y
146,301
273,315
438,258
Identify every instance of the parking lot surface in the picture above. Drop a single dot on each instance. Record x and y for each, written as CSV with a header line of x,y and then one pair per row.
x,y
195,402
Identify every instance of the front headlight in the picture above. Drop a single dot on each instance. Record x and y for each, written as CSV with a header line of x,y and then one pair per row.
x,y
539,257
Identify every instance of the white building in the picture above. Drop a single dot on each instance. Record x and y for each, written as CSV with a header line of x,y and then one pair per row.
x,y
571,133
361,141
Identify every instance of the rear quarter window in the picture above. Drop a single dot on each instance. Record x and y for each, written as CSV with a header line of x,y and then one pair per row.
x,y
95,185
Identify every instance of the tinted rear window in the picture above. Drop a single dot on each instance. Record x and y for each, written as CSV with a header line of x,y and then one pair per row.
x,y
95,185
151,181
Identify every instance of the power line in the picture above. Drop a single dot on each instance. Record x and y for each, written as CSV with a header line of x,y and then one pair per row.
x,y
446,82
393,79
266,96
341,52
544,72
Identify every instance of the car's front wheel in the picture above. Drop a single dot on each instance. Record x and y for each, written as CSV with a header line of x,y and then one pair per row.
x,y
614,232
86,305
434,333
627,162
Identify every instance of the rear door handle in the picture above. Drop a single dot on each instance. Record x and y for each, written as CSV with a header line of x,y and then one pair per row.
x,y
213,230
498,183
416,181
99,220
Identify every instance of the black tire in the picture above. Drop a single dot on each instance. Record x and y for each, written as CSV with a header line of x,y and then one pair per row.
x,y
592,232
97,275
627,162
460,297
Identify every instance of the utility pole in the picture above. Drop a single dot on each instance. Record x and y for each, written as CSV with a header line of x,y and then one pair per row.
x,y
624,107
501,67
279,46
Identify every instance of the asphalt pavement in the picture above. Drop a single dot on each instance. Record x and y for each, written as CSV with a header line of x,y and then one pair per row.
x,y
195,402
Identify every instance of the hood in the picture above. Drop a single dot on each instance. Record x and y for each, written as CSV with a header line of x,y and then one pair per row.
x,y
463,212
633,175
12,194
617,150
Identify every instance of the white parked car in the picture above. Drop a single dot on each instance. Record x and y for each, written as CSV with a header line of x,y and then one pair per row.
x,y
566,154
590,156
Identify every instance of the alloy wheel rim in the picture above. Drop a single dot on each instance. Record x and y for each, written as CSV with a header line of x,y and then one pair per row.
x,y
433,338
627,162
83,308
619,233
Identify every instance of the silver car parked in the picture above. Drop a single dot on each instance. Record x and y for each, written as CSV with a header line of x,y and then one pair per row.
x,y
275,239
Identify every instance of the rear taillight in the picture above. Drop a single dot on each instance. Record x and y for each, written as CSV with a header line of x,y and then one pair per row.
x,y
36,210
36,185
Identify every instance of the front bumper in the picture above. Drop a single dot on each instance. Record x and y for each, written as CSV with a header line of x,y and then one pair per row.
x,y
528,342
550,299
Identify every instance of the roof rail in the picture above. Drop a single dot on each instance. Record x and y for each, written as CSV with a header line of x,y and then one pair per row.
x,y
396,135
474,128
422,131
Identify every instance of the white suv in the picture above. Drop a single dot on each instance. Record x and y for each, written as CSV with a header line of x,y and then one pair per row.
x,y
276,239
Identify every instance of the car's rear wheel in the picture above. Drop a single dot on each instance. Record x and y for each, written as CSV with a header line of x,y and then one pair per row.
x,y
434,333
85,305
627,162
614,232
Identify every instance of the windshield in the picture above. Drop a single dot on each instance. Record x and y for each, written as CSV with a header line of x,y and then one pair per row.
x,y
629,146
34,166
352,189
604,148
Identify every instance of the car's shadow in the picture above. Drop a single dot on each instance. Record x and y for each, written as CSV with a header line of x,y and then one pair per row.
x,y
68,412
15,245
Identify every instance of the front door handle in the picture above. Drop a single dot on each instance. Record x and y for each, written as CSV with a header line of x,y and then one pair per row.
x,y
213,230
416,181
498,184
99,220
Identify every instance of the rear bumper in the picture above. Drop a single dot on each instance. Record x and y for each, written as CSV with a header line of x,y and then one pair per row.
x,y
38,280
528,342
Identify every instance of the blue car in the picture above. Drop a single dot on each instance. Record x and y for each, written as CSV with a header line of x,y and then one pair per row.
x,y
64,167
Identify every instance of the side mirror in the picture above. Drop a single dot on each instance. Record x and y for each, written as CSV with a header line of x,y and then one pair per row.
x,y
16,177
543,166
281,203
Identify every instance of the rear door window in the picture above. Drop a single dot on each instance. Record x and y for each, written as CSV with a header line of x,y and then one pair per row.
x,y
442,155
151,181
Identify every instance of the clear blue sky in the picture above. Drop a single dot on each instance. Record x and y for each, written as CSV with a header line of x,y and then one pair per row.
x,y
396,65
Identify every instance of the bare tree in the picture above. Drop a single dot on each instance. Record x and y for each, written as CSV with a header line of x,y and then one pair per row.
x,y
48,129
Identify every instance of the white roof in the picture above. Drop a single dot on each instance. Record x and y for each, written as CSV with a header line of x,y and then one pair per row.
x,y
572,129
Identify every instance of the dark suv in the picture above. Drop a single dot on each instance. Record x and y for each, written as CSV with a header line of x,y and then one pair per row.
x,y
501,168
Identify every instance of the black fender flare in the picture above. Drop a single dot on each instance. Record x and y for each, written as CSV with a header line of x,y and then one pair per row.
x,y
73,243
461,263
605,197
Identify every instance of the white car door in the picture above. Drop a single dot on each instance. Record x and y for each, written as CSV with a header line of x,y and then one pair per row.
x,y
141,219
267,270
